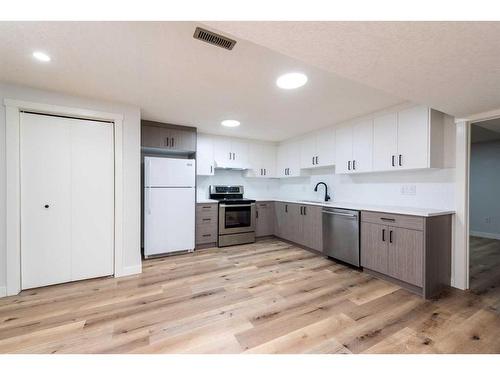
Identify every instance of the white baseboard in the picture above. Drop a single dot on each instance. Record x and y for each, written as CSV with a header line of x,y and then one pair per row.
x,y
3,291
493,236
131,270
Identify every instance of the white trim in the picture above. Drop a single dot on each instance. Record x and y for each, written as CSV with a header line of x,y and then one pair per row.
x,y
493,236
3,291
131,270
461,248
13,109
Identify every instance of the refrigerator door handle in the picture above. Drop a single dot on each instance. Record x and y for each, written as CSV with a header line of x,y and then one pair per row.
x,y
149,187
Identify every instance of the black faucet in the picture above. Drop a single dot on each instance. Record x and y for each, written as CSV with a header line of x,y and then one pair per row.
x,y
327,197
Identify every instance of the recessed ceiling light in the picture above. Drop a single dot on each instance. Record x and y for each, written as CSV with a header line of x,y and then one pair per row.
x,y
230,123
291,81
41,56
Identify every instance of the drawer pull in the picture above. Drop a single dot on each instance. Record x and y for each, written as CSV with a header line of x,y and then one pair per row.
x,y
388,219
206,207
208,219
207,235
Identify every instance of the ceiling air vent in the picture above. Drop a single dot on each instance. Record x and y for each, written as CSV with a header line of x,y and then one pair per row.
x,y
213,38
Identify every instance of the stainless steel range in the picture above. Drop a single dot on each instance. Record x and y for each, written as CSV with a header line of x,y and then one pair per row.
x,y
236,215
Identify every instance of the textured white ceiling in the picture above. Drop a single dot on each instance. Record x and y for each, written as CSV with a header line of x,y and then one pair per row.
x,y
451,66
172,77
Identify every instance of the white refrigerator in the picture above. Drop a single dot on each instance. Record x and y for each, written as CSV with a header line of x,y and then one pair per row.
x,y
169,205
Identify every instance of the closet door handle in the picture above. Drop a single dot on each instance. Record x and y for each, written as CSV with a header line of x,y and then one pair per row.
x,y
400,160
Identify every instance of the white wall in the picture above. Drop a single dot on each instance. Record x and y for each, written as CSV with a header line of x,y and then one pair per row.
x,y
254,187
484,189
131,164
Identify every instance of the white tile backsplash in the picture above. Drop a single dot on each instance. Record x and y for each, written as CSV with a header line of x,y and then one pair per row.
x,y
433,188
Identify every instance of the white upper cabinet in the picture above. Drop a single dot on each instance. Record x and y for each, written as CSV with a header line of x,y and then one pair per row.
x,y
413,138
317,149
409,139
262,160
204,155
354,148
362,147
343,149
288,159
385,142
230,153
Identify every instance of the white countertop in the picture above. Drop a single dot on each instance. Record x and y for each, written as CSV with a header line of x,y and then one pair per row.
x,y
414,211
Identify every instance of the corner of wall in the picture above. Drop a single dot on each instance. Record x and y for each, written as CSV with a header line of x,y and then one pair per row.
x,y
3,291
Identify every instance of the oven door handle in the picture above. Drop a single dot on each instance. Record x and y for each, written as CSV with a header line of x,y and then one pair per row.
x,y
237,205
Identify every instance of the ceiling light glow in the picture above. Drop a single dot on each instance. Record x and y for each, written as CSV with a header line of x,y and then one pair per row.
x,y
291,81
41,56
230,123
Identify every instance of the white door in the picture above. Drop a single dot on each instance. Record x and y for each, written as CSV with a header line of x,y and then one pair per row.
x,y
413,138
325,147
239,150
308,151
385,141
362,146
204,155
67,199
168,172
343,150
222,152
169,220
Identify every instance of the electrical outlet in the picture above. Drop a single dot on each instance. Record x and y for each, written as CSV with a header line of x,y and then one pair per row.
x,y
408,189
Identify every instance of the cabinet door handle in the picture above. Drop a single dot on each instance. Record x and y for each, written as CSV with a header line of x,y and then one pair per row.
x,y
173,142
206,235
393,161
383,235
230,156
265,172
349,165
313,160
390,236
354,165
388,219
166,142
305,212
257,214
301,210
211,169
400,160
286,207
234,156
206,219
317,162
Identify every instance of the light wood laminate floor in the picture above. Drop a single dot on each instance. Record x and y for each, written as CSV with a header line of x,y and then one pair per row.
x,y
267,297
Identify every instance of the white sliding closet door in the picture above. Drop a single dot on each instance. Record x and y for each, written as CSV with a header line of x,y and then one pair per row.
x,y
67,199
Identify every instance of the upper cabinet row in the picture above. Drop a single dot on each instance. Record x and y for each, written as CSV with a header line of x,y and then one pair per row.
x,y
412,138
409,139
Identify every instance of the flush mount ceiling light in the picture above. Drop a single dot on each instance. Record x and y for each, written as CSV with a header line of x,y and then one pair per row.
x,y
291,81
230,123
41,56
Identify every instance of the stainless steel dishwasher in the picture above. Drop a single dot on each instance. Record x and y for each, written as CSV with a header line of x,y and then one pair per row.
x,y
341,234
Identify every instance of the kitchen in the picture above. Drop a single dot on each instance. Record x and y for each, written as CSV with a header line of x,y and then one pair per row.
x,y
230,197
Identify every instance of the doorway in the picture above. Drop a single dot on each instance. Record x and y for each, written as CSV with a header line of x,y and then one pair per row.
x,y
484,209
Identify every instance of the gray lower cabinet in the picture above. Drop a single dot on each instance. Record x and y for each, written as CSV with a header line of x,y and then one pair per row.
x,y
298,223
414,251
206,223
265,219
169,137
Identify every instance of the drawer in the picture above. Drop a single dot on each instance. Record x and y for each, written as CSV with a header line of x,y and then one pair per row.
x,y
206,209
264,204
206,234
393,220
206,219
